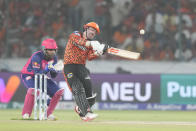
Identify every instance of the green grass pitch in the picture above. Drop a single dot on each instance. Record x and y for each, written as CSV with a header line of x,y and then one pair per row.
x,y
10,120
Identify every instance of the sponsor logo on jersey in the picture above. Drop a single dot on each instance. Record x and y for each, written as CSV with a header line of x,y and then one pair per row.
x,y
80,46
69,75
36,65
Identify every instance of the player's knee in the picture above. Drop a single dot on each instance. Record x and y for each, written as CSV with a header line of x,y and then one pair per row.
x,y
59,93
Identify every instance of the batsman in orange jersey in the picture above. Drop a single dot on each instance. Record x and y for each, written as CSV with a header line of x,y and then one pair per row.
x,y
82,47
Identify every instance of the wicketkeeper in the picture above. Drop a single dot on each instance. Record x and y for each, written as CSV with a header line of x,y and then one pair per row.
x,y
41,62
81,47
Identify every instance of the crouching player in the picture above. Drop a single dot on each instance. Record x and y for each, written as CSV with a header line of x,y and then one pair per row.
x,y
41,62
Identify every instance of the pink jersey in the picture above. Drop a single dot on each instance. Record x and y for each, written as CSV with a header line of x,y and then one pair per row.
x,y
36,63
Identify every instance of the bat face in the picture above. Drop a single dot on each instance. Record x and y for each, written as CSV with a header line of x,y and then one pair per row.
x,y
124,53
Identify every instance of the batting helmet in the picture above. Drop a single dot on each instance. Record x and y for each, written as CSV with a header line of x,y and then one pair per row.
x,y
93,25
49,44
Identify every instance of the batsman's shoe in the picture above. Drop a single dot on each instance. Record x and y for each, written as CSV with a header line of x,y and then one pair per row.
x,y
77,110
51,117
89,117
26,116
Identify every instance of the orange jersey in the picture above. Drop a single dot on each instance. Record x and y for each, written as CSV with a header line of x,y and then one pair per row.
x,y
76,52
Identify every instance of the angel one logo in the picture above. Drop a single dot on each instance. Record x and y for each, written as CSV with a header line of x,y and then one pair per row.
x,y
7,91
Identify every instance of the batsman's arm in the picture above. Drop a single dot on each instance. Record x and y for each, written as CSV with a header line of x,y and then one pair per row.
x,y
77,39
92,55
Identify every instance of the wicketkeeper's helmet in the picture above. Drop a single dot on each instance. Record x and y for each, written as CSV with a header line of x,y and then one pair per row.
x,y
49,44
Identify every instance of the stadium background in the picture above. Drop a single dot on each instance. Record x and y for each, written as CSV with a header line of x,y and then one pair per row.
x,y
163,78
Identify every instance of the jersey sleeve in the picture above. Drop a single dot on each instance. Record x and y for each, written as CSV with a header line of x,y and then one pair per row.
x,y
91,55
37,65
77,39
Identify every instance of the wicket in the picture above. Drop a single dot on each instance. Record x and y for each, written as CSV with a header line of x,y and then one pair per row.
x,y
40,96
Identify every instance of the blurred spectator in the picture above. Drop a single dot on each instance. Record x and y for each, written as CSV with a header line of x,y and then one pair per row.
x,y
183,52
151,46
193,33
184,55
116,15
154,22
103,17
193,59
133,43
74,14
24,23
166,53
120,35
185,10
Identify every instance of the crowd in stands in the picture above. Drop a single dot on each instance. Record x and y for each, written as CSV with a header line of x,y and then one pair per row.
x,y
151,27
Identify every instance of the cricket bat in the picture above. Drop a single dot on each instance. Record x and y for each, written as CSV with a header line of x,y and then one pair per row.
x,y
123,53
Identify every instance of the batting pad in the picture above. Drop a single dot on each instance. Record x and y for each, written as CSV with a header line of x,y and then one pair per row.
x,y
80,96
